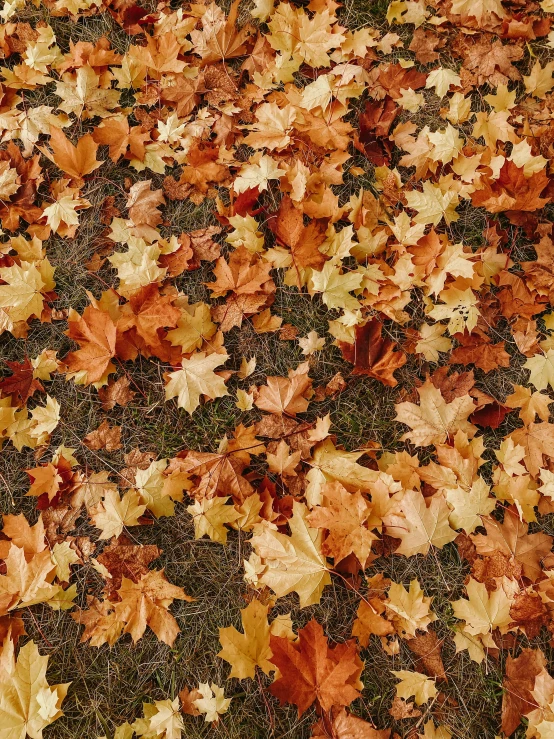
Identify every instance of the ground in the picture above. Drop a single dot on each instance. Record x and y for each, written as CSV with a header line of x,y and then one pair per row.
x,y
110,684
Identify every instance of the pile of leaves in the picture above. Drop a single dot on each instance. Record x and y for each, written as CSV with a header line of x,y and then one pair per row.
x,y
346,164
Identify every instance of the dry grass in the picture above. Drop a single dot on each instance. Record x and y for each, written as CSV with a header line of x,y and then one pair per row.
x,y
109,684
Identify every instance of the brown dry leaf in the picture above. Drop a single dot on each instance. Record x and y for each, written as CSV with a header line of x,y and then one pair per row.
x,y
117,392
476,348
340,724
146,602
511,539
123,559
104,437
77,160
21,384
187,698
143,204
401,709
427,647
284,395
373,355
95,332
344,515
519,681
312,671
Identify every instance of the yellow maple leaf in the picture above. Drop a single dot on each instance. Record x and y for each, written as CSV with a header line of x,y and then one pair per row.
x,y
20,296
414,684
81,94
541,368
335,286
196,378
540,81
28,704
115,513
434,420
210,516
432,205
483,611
213,702
249,650
293,563
419,525
469,505
193,327
410,609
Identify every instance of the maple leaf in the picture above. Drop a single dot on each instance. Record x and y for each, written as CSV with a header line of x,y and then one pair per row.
x,y
161,718
116,393
344,515
305,39
312,671
194,326
540,80
147,312
123,558
28,704
210,516
21,385
432,341
76,161
284,395
143,204
518,684
258,175
369,620
196,378
511,538
336,287
475,348
249,650
213,703
434,420
20,294
113,513
244,274
63,212
432,205
373,355
420,526
119,136
530,404
104,437
82,95
483,611
469,505
460,308
537,440
541,368
345,725
26,537
146,602
478,9
512,190
414,684
303,241
158,490
295,562
410,609
96,333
